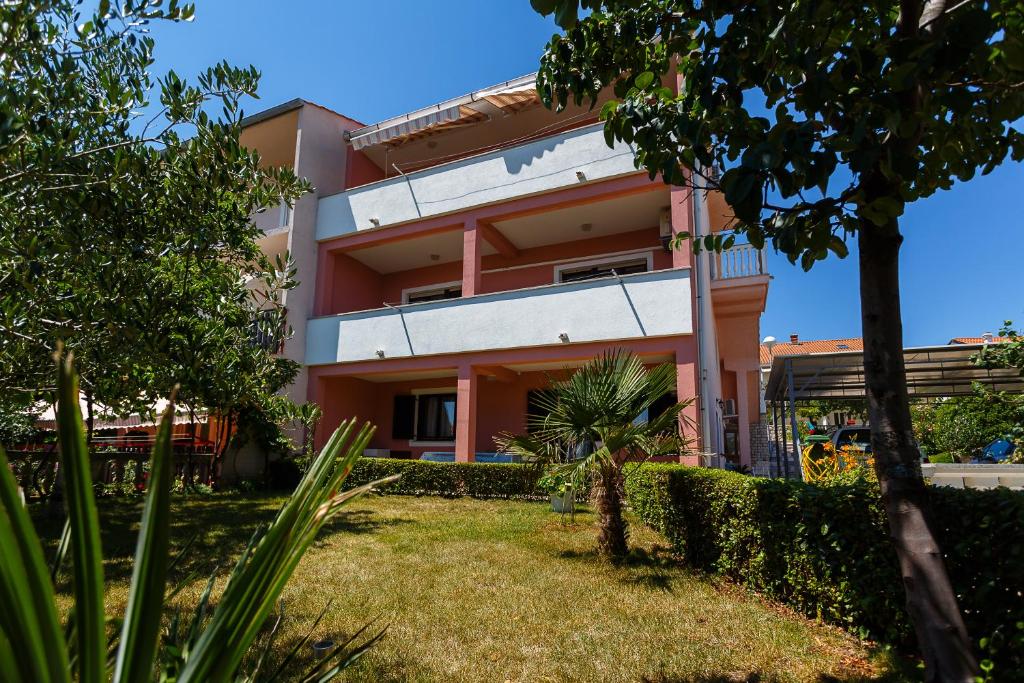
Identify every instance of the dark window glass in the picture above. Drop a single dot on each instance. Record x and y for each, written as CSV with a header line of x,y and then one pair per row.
x,y
435,420
535,411
603,270
435,295
402,422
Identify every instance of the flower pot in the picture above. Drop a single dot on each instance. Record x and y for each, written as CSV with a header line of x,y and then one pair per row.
x,y
564,502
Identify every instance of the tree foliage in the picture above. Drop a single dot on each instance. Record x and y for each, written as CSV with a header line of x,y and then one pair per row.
x,y
818,121
796,111
125,215
961,426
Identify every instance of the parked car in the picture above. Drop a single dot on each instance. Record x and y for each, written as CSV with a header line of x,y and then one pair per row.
x,y
998,451
858,436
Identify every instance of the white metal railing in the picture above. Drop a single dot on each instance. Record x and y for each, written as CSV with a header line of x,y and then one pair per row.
x,y
741,260
273,218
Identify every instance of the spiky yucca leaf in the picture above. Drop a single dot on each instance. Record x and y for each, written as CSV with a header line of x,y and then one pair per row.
x,y
261,575
33,646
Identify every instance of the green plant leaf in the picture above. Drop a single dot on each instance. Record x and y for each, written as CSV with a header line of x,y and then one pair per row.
x,y
137,650
28,616
90,621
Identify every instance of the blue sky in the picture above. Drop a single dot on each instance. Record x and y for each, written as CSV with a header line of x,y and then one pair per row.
x,y
963,248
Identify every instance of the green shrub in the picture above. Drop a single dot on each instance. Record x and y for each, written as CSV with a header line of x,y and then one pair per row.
x,y
825,550
479,480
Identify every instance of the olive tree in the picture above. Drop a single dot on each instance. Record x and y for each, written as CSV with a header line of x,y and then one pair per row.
x,y
125,215
819,122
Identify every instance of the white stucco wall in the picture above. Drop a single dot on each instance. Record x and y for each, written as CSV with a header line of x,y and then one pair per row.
x,y
539,166
642,305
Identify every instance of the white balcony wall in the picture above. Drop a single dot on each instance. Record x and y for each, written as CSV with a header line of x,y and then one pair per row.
x,y
642,305
273,218
538,166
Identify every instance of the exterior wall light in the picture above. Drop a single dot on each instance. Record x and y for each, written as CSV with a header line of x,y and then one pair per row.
x,y
563,337
375,221
581,176
380,353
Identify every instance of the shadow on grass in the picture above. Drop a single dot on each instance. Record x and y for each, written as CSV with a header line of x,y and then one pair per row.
x,y
758,677
221,526
654,568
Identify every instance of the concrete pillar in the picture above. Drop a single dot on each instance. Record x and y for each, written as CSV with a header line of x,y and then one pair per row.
x,y
743,416
324,282
465,414
472,243
681,211
687,387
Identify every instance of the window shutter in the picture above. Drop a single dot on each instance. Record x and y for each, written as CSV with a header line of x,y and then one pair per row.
x,y
402,419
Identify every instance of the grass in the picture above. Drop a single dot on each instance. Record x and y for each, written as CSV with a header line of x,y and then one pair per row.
x,y
478,590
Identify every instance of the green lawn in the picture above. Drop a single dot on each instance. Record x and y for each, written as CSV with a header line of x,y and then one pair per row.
x,y
502,591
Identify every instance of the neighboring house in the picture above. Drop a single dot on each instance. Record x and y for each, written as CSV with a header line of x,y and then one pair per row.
x,y
986,338
454,258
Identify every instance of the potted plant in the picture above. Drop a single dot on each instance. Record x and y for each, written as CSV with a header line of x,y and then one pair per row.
x,y
559,489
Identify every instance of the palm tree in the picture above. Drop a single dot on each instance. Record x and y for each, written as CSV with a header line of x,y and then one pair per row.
x,y
596,422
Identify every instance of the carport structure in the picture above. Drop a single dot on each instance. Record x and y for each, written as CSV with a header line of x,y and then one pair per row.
x,y
932,372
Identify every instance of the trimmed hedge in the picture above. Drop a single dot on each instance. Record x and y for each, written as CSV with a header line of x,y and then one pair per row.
x,y
825,550
479,480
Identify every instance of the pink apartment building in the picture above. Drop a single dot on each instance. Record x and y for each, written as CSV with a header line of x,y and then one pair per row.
x,y
454,258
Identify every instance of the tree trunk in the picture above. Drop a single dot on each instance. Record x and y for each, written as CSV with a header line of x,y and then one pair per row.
x,y
931,601
611,539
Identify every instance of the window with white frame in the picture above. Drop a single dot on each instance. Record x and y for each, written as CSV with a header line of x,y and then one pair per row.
x,y
591,270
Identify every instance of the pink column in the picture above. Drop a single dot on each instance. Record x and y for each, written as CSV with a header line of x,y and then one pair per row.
x,y
472,242
686,389
681,203
324,282
465,414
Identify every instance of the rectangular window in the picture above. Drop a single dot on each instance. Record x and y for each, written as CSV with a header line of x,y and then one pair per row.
x,y
593,271
438,294
435,417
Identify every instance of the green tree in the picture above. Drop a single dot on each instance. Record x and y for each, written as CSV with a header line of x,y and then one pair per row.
x,y
819,122
119,236
601,414
963,425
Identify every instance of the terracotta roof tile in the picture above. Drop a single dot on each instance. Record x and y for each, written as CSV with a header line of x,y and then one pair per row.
x,y
810,346
976,340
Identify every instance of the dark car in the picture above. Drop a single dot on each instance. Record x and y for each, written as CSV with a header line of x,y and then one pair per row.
x,y
998,451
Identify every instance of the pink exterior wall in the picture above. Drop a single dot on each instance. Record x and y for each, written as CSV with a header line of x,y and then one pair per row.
x,y
543,273
500,404
356,287
353,286
738,348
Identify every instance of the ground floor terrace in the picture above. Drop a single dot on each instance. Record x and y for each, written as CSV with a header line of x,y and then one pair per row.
x,y
457,404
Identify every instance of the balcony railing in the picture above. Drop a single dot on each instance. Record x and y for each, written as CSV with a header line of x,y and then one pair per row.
x,y
741,260
561,160
629,307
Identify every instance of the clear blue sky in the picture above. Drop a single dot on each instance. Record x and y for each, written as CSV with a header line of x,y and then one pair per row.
x,y
963,250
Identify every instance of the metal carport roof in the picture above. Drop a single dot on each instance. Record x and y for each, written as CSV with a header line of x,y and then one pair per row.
x,y
932,372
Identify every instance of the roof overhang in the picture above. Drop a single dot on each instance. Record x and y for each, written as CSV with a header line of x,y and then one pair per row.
x,y
932,372
504,98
